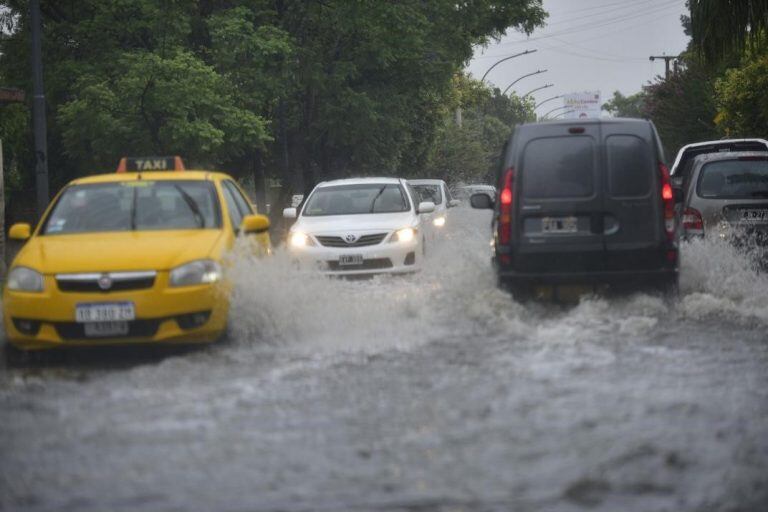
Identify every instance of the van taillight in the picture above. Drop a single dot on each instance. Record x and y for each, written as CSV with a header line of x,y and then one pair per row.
x,y
505,206
693,223
668,197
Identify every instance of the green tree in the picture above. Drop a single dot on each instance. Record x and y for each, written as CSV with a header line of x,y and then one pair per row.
x,y
627,106
742,99
721,28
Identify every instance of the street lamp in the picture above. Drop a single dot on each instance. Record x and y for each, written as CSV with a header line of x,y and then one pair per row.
x,y
526,52
554,110
536,89
537,72
546,100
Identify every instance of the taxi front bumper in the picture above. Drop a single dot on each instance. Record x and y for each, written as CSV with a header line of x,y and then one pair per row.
x,y
189,314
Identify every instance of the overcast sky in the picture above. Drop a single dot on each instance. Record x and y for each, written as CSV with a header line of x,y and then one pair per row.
x,y
588,45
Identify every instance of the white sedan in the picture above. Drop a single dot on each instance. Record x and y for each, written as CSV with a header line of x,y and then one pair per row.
x,y
360,226
436,191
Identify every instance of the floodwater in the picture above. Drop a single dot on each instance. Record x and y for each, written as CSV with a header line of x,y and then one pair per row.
x,y
430,392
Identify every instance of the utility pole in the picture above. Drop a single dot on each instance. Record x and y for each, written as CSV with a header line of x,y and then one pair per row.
x,y
667,60
38,110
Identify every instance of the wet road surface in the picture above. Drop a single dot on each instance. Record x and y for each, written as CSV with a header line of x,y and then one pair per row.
x,y
432,392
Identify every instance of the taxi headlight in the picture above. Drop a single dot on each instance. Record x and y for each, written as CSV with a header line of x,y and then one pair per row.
x,y
439,221
300,240
25,279
404,235
196,272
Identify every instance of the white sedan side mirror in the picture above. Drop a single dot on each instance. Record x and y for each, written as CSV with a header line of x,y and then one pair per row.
x,y
426,207
454,202
289,213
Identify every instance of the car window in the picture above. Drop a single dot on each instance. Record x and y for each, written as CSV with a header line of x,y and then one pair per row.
x,y
557,167
134,205
242,203
357,199
630,166
734,179
235,215
429,193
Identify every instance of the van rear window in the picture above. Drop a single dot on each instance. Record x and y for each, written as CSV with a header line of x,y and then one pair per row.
x,y
630,166
559,167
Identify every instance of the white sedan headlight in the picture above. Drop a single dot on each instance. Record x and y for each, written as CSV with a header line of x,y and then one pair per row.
x,y
300,240
404,235
439,221
196,272
25,279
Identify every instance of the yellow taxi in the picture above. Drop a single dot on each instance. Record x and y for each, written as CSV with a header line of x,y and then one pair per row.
x,y
130,257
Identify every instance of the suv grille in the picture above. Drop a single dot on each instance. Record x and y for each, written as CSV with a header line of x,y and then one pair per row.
x,y
363,241
106,282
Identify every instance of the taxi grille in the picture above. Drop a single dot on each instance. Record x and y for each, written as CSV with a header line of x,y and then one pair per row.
x,y
115,282
136,329
363,241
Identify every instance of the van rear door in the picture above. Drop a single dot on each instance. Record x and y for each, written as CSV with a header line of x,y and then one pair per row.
x,y
560,200
633,220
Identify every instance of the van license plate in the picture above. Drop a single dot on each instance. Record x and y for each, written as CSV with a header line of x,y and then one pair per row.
x,y
105,312
754,215
559,225
104,329
346,260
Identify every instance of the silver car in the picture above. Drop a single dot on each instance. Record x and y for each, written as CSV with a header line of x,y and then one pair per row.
x,y
727,195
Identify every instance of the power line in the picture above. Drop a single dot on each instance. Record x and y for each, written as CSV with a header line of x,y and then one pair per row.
x,y
630,8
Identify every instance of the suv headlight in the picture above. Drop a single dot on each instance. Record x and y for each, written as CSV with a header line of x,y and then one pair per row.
x,y
404,235
196,272
24,279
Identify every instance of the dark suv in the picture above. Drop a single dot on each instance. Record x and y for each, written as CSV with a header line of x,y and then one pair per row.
x,y
584,202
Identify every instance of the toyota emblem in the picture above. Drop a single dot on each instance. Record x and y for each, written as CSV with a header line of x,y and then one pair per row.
x,y
105,282
350,239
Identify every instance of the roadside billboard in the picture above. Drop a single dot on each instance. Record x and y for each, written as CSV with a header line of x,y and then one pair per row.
x,y
582,104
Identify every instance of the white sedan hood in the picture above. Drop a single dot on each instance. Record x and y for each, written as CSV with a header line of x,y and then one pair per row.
x,y
360,222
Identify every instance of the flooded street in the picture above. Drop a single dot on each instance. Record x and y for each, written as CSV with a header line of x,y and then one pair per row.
x,y
432,392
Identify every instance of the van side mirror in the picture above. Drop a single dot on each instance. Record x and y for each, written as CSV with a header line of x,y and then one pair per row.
x,y
481,201
289,213
426,207
21,231
254,224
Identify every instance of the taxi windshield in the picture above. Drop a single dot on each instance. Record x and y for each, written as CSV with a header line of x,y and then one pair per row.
x,y
134,205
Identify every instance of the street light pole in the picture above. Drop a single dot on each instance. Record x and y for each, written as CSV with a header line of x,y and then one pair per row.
x,y
564,113
554,110
526,52
546,100
536,89
537,72
38,110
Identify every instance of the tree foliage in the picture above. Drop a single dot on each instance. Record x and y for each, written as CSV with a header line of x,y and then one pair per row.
x,y
296,90
627,106
721,28
742,97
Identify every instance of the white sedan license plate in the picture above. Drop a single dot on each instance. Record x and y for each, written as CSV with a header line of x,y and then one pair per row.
x,y
105,312
559,225
350,259
754,215
102,329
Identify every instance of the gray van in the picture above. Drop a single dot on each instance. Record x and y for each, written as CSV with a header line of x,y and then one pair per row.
x,y
584,202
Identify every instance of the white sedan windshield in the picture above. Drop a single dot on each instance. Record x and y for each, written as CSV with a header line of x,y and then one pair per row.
x,y
357,199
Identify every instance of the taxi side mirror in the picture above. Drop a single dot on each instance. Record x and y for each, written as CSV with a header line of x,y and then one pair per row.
x,y
254,224
21,231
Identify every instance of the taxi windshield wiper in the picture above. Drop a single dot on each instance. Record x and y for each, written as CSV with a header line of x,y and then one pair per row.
x,y
376,198
193,206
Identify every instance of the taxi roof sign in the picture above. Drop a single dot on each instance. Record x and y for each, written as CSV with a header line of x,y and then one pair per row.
x,y
150,163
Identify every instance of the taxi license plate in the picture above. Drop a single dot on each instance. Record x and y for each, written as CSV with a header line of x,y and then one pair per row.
x,y
346,260
754,215
102,329
105,312
559,225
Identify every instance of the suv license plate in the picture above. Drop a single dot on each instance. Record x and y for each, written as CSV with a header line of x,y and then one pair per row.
x,y
559,225
105,312
754,215
103,329
346,260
